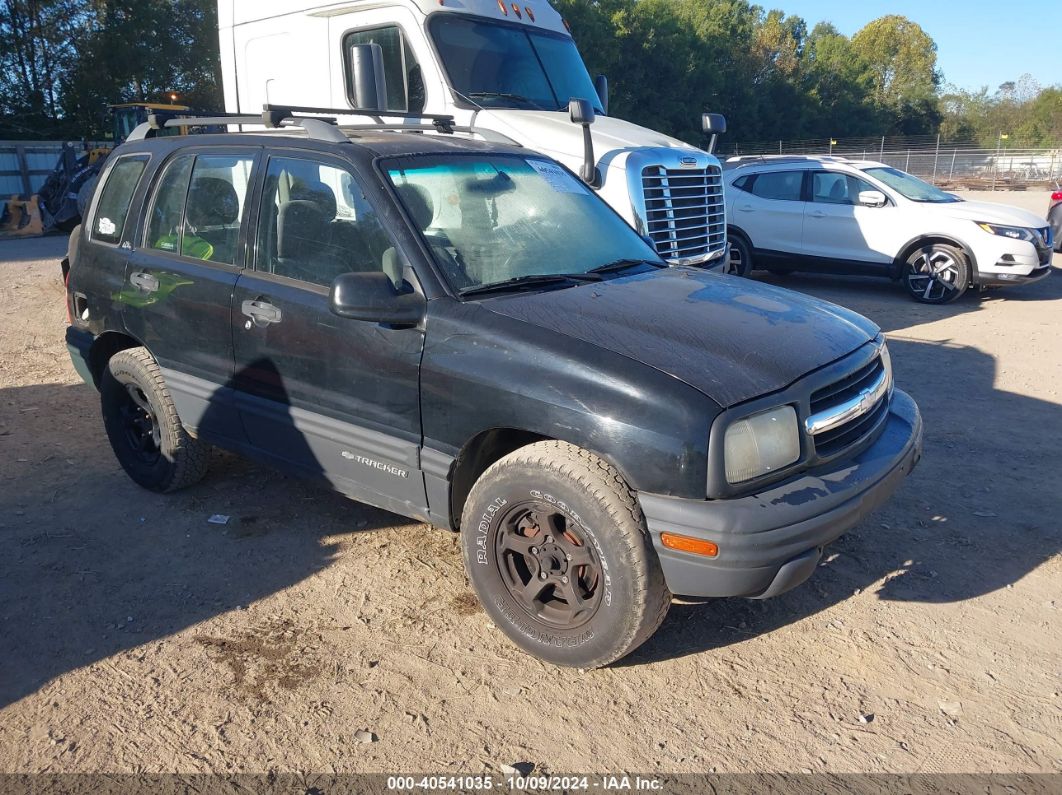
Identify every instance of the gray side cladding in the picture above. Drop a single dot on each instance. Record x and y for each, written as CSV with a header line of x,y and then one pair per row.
x,y
733,339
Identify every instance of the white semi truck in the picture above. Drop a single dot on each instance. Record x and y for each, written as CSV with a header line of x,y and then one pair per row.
x,y
506,70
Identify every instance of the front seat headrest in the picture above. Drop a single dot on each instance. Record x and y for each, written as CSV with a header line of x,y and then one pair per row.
x,y
318,193
212,202
418,203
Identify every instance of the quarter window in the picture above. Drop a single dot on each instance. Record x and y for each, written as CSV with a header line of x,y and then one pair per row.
x,y
779,185
316,224
402,73
113,208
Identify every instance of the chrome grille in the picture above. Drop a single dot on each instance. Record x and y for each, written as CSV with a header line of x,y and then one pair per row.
x,y
684,211
846,412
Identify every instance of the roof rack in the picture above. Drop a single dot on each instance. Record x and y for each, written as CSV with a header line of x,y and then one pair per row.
x,y
317,127
744,160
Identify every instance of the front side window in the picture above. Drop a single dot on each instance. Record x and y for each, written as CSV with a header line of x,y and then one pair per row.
x,y
911,187
198,206
832,187
778,185
509,66
402,73
316,224
113,208
493,218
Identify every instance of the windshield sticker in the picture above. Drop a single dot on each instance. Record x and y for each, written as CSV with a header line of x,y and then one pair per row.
x,y
559,179
107,227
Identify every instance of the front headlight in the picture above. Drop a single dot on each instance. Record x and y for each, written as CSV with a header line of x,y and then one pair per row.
x,y
761,443
1013,232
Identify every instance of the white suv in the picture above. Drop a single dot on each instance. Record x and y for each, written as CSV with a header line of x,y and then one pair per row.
x,y
833,215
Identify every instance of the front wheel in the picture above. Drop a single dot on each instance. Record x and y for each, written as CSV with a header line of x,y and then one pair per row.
x,y
557,550
937,274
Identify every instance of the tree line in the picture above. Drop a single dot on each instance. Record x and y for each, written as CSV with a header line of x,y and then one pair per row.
x,y
62,62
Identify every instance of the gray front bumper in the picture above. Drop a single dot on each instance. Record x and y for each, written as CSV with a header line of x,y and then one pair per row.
x,y
772,541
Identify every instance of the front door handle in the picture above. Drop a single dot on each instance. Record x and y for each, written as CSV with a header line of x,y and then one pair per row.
x,y
261,313
745,208
144,281
817,214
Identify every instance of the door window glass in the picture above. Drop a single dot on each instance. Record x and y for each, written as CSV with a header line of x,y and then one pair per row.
x,y
405,82
214,207
316,224
783,185
831,187
117,193
167,209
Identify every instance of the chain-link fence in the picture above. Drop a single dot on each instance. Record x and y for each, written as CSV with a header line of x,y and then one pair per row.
x,y
955,165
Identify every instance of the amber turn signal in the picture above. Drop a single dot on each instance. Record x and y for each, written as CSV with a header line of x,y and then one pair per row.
x,y
697,546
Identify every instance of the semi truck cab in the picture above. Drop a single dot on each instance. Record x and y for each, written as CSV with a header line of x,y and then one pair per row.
x,y
507,70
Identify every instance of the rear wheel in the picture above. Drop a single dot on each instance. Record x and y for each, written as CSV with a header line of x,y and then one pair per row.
x,y
142,425
557,550
740,256
937,274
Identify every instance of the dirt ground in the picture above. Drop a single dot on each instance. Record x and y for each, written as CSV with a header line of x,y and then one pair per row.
x,y
137,637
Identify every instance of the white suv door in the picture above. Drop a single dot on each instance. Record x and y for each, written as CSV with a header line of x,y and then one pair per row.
x,y
767,207
838,227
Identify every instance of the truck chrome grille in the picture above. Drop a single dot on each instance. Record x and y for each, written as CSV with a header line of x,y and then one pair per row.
x,y
846,412
684,211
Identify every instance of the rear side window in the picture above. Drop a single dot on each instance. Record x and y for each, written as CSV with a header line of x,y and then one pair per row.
x,y
778,185
198,206
113,208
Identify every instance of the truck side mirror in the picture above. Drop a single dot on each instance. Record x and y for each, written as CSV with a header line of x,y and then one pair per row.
x,y
367,77
582,113
371,296
714,124
601,86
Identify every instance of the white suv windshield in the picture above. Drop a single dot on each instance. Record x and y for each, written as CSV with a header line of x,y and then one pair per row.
x,y
506,66
911,187
490,219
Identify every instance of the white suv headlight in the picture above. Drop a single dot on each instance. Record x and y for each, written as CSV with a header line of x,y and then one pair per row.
x,y
1013,232
760,444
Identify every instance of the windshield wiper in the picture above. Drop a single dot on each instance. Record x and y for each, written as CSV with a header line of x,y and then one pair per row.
x,y
503,95
531,280
623,264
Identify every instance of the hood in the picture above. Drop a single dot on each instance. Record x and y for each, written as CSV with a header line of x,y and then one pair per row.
x,y
731,338
554,134
990,212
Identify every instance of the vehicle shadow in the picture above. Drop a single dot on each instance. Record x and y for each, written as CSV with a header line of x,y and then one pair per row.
x,y
965,523
91,565
19,250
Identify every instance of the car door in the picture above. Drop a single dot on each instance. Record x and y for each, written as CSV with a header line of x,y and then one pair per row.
x,y
769,208
177,295
326,395
837,228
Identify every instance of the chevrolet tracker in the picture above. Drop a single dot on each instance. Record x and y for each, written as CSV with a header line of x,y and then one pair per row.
x,y
463,333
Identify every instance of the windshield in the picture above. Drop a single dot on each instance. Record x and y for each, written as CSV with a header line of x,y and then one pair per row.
x,y
911,187
507,66
494,218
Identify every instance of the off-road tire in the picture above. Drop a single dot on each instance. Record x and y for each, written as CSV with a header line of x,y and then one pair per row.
x,y
951,274
589,501
171,459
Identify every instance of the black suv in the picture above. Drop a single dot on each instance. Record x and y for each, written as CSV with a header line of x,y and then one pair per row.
x,y
464,333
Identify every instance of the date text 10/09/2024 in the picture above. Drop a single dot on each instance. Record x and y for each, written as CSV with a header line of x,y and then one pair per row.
x,y
606,783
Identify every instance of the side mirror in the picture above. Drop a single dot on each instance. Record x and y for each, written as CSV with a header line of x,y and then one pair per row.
x,y
873,198
582,113
367,77
713,124
601,86
372,297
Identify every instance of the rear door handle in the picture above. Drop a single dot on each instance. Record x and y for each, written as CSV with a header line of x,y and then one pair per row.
x,y
261,313
144,281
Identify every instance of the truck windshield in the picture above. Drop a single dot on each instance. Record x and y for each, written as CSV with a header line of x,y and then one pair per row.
x,y
911,187
507,66
491,219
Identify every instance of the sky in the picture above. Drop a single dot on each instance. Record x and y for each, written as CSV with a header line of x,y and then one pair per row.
x,y
979,42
